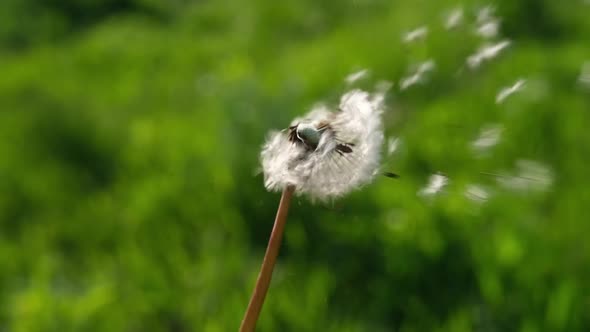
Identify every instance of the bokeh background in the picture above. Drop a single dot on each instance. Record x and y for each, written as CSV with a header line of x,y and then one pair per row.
x,y
130,198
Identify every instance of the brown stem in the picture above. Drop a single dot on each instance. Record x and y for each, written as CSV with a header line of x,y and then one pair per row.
x,y
270,258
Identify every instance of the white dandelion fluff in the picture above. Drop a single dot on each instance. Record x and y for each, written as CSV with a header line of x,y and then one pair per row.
x,y
419,76
510,90
392,145
356,76
488,29
530,175
436,183
381,88
488,25
488,137
486,52
326,154
416,34
584,78
476,193
486,14
454,18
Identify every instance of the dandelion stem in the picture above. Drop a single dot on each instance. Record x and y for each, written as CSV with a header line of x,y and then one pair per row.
x,y
270,258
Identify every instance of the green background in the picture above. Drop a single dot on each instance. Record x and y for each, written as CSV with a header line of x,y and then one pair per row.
x,y
130,134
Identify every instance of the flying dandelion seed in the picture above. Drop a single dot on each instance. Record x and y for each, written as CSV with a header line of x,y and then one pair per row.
x,y
382,87
392,145
327,154
529,176
488,25
486,14
584,78
489,29
436,183
454,18
418,76
356,76
486,53
476,193
488,137
416,34
510,90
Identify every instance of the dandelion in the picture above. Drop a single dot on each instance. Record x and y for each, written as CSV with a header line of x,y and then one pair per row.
x,y
416,34
507,91
324,154
486,52
436,183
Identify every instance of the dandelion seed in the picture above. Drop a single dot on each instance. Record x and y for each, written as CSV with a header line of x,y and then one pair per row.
x,y
486,52
476,193
454,18
392,145
486,14
436,183
327,154
508,91
418,76
488,137
584,78
529,176
416,34
381,89
489,29
356,76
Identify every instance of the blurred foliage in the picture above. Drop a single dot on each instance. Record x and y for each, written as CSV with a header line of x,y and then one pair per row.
x,y
129,141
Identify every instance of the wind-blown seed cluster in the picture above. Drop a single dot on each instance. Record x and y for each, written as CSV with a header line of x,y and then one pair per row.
x,y
346,156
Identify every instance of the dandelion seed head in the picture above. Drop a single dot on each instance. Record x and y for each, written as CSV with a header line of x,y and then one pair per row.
x,y
326,153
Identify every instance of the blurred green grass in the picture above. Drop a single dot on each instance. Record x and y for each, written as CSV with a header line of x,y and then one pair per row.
x,y
129,141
